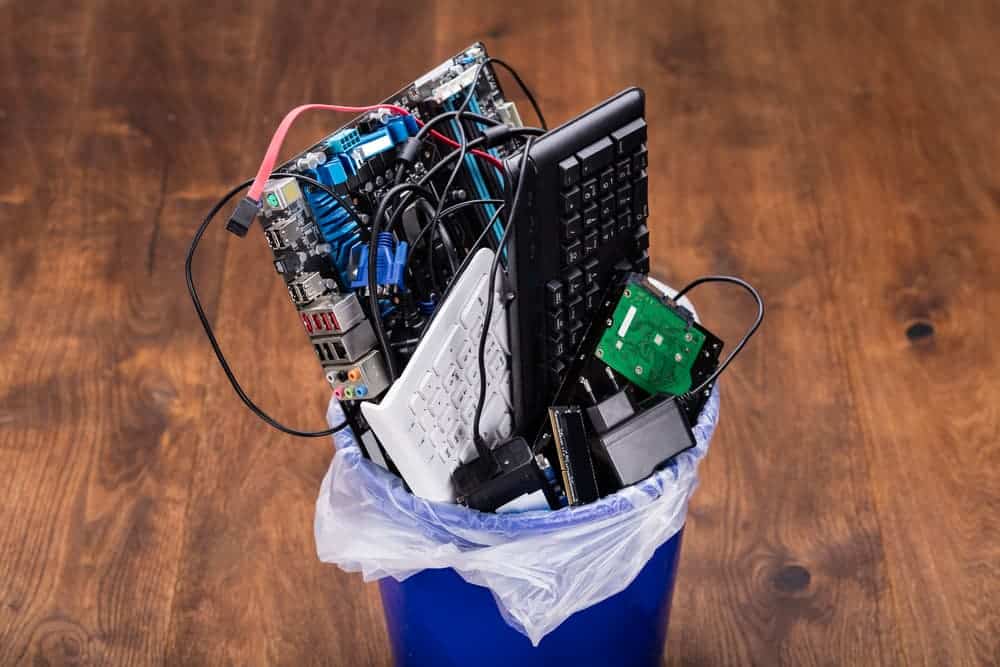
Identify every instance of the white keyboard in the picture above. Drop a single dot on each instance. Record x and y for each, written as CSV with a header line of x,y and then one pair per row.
x,y
424,421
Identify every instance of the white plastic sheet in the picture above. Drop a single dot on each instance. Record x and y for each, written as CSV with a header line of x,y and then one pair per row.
x,y
541,566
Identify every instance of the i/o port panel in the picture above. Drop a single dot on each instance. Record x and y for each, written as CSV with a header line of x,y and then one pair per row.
x,y
332,314
363,379
347,347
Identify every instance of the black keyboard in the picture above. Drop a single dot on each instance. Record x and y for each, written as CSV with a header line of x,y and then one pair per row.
x,y
583,218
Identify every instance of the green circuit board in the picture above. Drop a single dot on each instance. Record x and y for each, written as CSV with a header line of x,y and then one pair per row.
x,y
651,343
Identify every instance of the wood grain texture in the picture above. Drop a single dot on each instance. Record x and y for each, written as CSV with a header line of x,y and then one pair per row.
x,y
842,156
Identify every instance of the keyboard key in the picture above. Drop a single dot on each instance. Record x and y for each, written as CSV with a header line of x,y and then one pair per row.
x,y
570,201
607,180
595,157
556,347
590,271
641,236
592,298
591,215
572,228
417,404
590,242
557,322
624,222
608,231
640,190
628,137
572,253
623,169
589,191
574,309
641,264
574,334
624,197
554,294
607,207
574,280
569,171
556,370
640,160
427,387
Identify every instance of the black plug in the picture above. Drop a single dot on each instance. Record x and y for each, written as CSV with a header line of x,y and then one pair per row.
x,y
408,153
508,472
496,135
241,219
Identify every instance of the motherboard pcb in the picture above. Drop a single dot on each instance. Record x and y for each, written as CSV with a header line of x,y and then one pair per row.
x,y
321,243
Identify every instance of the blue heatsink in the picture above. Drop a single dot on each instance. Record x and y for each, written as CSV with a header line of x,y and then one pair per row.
x,y
339,229
346,151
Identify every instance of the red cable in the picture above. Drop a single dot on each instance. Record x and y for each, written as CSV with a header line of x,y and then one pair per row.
x,y
271,156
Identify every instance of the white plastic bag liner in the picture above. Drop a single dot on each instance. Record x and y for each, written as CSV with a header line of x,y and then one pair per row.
x,y
541,566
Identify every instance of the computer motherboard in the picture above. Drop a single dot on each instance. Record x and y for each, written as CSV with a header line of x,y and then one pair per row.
x,y
321,248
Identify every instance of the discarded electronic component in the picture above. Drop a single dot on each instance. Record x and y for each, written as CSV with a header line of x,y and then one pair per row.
x,y
389,263
605,415
280,195
509,115
634,449
306,287
349,346
569,433
583,217
364,379
511,473
320,239
285,232
334,313
425,420
656,344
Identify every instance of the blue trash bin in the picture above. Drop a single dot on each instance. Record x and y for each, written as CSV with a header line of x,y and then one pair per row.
x,y
437,618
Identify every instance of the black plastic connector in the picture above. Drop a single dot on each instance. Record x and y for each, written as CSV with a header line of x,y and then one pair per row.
x,y
410,150
507,473
244,215
495,135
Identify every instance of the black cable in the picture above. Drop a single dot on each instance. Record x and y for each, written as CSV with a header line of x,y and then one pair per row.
x,y
376,315
515,131
452,209
480,443
520,82
746,337
459,114
206,325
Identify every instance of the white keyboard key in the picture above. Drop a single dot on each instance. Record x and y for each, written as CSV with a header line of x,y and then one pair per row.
x,y
426,387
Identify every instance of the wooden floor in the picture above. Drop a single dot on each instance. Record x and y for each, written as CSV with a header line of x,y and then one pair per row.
x,y
844,156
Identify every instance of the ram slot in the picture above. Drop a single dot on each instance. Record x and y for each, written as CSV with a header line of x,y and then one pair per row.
x,y
475,178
